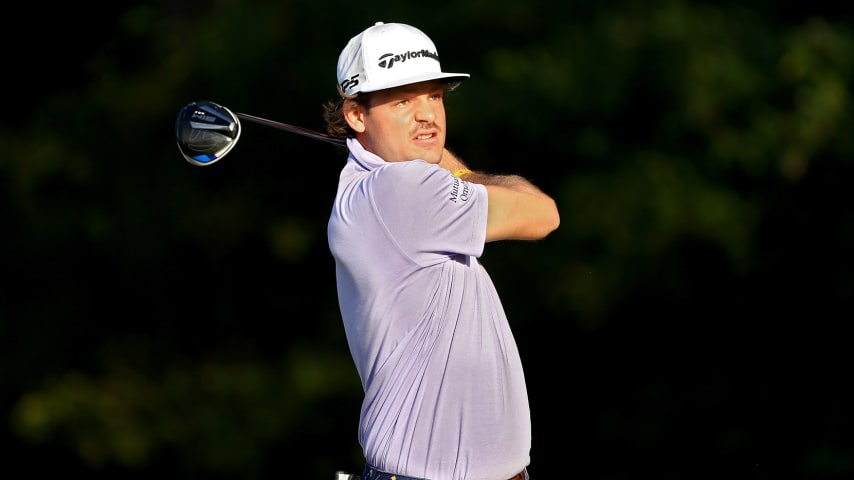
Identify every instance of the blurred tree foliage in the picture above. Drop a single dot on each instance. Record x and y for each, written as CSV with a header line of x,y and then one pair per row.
x,y
160,317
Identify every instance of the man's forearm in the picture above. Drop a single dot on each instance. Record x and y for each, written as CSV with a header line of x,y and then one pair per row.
x,y
453,164
514,182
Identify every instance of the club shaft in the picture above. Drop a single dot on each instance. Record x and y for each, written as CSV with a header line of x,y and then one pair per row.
x,y
290,128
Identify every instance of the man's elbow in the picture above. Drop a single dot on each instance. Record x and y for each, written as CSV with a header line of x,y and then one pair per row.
x,y
542,224
554,222
550,221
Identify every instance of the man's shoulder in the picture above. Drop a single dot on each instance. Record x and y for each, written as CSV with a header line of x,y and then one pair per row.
x,y
413,170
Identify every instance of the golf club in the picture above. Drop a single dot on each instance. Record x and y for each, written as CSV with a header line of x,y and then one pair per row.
x,y
207,131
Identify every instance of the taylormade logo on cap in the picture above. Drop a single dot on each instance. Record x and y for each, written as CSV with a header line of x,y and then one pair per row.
x,y
389,55
386,62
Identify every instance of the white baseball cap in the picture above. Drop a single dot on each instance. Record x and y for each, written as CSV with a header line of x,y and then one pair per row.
x,y
389,55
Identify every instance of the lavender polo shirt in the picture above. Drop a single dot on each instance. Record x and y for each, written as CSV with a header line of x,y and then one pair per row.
x,y
445,394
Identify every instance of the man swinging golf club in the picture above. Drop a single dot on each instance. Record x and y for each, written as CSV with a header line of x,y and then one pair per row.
x,y
444,389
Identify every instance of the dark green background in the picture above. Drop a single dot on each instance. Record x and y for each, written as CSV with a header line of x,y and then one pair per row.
x,y
689,318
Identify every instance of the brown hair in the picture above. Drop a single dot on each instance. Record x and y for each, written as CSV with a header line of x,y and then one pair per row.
x,y
333,114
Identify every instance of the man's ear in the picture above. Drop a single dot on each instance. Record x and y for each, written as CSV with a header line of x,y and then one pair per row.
x,y
354,114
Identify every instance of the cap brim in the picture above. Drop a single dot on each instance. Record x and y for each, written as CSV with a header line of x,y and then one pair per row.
x,y
424,77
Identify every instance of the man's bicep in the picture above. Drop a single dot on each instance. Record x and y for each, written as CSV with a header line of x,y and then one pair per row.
x,y
518,215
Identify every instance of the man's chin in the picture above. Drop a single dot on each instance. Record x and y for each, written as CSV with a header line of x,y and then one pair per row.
x,y
430,155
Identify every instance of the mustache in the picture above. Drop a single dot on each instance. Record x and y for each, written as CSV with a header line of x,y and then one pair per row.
x,y
426,126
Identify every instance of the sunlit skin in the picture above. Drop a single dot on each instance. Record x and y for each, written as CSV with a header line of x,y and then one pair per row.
x,y
403,123
408,123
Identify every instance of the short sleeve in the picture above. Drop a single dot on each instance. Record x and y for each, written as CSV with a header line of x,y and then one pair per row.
x,y
429,213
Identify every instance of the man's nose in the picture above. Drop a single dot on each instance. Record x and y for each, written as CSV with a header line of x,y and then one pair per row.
x,y
425,113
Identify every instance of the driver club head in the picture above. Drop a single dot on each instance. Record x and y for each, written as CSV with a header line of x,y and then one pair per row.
x,y
206,132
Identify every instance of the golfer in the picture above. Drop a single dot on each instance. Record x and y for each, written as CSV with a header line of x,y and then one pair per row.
x,y
444,388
